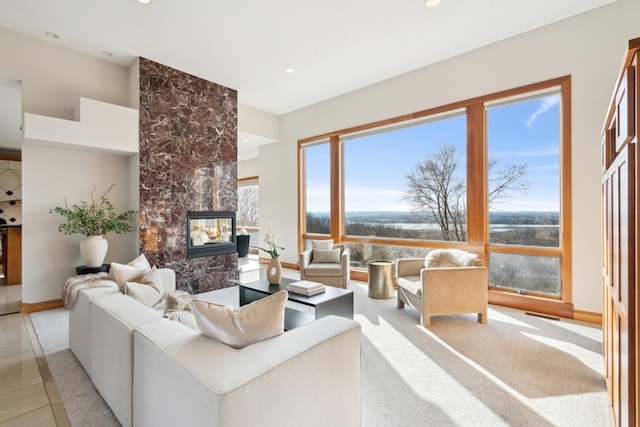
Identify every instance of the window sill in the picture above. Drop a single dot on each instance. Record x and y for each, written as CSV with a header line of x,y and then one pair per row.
x,y
532,303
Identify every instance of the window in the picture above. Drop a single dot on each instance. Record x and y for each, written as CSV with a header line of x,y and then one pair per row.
x,y
318,188
490,175
524,145
248,212
407,182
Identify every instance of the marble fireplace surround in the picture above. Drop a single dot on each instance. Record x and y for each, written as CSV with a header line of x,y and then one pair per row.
x,y
188,162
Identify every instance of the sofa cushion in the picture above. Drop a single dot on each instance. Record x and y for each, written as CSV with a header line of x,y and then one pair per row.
x,y
113,320
240,327
323,269
412,284
326,255
148,290
322,244
440,258
133,271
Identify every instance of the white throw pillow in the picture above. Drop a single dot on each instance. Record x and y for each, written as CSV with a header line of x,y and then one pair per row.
x,y
148,290
240,327
131,272
467,259
322,244
185,317
326,255
178,301
440,258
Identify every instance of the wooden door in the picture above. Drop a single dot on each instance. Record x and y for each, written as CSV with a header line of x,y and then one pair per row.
x,y
619,292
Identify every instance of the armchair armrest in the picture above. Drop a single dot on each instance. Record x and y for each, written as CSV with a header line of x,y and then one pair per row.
x,y
346,264
305,259
455,286
409,266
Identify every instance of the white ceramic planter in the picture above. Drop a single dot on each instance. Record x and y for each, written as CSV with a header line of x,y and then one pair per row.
x,y
93,250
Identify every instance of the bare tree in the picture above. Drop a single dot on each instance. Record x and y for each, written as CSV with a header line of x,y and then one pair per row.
x,y
504,182
248,208
436,188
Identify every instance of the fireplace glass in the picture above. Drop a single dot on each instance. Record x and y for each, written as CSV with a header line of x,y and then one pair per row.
x,y
211,233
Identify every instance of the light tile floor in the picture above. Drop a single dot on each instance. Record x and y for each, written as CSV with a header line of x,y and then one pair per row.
x,y
28,395
10,298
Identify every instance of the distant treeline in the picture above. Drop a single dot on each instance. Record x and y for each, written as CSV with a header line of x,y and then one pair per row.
x,y
514,234
385,217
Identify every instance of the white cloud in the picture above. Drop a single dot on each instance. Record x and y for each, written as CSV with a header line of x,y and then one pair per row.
x,y
545,105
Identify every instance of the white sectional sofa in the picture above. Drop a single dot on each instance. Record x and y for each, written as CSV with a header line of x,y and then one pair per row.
x,y
152,371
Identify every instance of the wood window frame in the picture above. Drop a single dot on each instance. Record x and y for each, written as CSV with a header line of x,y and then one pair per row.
x,y
477,202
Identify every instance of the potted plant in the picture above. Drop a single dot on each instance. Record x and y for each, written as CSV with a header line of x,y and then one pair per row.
x,y
94,220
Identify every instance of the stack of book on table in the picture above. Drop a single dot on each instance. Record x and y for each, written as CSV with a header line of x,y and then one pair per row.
x,y
306,287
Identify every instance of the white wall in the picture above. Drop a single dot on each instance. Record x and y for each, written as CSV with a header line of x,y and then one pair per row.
x,y
51,173
54,78
258,122
248,168
589,47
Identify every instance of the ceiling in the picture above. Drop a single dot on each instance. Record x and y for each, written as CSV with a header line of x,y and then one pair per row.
x,y
335,46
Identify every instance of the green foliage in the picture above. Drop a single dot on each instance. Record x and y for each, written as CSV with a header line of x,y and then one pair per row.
x,y
271,239
95,218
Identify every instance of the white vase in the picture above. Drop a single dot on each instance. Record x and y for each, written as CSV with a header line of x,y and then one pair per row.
x,y
274,271
93,250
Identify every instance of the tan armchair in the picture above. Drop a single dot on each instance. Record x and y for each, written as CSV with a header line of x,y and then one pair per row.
x,y
447,289
326,270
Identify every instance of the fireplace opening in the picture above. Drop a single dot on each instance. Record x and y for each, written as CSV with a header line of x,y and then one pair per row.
x,y
211,233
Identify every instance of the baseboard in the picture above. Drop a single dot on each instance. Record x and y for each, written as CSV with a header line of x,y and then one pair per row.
x,y
532,303
26,308
587,316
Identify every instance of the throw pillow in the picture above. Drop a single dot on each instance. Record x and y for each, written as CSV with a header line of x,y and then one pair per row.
x,y
467,259
183,316
322,244
240,327
148,290
133,271
326,255
440,258
178,301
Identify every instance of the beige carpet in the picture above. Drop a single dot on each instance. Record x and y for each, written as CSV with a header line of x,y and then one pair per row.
x,y
517,370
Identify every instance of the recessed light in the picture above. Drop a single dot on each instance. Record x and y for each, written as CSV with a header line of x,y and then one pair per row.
x,y
52,35
433,3
144,1
245,140
107,53
289,70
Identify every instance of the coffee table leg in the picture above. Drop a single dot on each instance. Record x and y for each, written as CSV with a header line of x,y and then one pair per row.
x,y
243,298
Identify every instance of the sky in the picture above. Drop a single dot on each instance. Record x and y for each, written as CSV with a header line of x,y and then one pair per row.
x,y
376,165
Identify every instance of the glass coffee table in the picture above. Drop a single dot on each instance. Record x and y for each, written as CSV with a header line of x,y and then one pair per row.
x,y
333,301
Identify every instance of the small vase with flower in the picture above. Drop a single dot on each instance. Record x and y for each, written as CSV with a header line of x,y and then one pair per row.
x,y
274,270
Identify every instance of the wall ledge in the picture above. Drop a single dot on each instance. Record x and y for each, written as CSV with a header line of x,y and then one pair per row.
x,y
99,126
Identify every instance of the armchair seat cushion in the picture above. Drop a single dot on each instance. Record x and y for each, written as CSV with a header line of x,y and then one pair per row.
x,y
412,284
323,269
